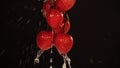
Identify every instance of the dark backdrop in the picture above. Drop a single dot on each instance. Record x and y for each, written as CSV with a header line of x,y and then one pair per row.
x,y
94,26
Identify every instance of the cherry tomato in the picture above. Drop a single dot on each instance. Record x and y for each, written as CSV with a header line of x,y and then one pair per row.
x,y
44,40
63,43
65,5
54,18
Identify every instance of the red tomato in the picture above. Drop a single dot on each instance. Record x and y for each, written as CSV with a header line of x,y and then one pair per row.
x,y
54,18
44,40
65,5
63,43
63,28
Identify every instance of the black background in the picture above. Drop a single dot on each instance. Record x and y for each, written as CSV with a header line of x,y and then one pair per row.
x,y
94,26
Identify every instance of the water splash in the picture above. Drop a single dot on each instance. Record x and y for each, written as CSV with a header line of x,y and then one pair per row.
x,y
66,59
39,53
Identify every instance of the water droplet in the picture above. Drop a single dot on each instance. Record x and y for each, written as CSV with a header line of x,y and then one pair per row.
x,y
34,9
51,67
51,60
91,60
105,39
28,21
19,19
25,6
39,23
99,61
45,0
36,60
2,52
20,62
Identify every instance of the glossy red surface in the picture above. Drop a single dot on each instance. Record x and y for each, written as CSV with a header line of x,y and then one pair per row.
x,y
65,5
54,18
44,40
63,43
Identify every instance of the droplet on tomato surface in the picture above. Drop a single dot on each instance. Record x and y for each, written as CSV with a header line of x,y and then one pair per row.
x,y
63,28
66,25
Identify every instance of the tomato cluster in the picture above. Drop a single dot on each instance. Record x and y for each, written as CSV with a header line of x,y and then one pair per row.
x,y
54,12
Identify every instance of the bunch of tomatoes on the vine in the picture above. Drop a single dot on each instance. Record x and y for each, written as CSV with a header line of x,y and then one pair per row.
x,y
55,13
